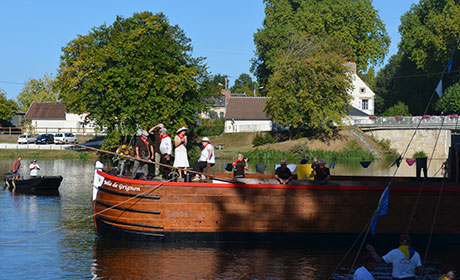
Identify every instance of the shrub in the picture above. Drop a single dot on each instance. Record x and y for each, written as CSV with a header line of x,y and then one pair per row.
x,y
419,154
211,127
262,139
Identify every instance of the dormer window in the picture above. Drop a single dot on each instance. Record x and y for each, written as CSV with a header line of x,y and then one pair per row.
x,y
362,90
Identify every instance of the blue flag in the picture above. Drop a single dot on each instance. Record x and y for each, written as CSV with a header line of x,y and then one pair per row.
x,y
382,208
449,65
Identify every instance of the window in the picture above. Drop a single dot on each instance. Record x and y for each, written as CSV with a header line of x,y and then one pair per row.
x,y
365,104
362,90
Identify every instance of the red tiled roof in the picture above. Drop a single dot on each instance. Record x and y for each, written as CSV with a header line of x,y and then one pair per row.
x,y
246,108
46,111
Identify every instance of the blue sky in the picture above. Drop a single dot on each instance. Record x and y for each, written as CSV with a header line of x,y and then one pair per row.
x,y
33,32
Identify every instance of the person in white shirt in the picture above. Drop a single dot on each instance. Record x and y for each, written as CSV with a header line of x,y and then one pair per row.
x,y
406,261
33,167
166,151
364,272
207,156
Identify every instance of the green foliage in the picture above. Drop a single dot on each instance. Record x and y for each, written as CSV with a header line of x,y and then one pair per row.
x,y
399,108
244,84
269,155
429,31
450,101
210,127
354,23
133,74
262,139
40,90
419,154
212,85
309,86
8,107
351,152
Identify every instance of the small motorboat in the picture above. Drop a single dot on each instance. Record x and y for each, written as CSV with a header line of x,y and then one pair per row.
x,y
36,185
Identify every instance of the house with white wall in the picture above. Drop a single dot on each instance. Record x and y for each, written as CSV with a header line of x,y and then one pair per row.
x,y
362,95
52,117
246,114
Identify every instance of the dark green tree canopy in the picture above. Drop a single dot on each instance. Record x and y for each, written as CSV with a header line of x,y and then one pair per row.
x,y
42,89
450,101
244,83
8,107
134,73
353,23
309,87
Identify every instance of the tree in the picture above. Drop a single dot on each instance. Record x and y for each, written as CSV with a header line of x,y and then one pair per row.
x,y
354,23
450,101
8,107
132,74
244,84
309,87
212,85
399,109
43,89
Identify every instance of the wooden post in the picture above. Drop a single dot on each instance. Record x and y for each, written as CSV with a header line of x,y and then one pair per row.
x,y
208,171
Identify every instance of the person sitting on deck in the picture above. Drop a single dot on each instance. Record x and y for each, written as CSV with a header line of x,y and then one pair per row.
x,y
144,151
405,260
322,173
33,167
15,168
239,165
364,272
449,273
283,174
207,156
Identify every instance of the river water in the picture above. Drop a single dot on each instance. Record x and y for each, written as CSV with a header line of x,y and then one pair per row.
x,y
52,237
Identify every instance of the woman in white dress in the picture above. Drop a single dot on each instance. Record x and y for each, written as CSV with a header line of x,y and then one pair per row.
x,y
180,142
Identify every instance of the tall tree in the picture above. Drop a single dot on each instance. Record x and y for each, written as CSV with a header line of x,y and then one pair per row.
x,y
309,86
212,85
132,74
8,107
244,83
450,101
354,23
42,89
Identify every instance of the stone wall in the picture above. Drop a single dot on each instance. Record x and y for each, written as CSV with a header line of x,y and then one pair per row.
x,y
424,140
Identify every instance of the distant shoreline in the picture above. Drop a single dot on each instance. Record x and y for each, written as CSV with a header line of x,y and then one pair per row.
x,y
49,154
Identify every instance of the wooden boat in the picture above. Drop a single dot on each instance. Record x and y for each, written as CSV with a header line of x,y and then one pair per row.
x,y
36,185
258,208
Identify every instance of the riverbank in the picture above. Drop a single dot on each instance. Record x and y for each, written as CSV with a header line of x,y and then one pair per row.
x,y
49,154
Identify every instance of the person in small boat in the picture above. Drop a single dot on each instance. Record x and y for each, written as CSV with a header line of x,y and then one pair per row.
x,y
283,174
206,157
157,154
33,167
144,151
15,168
322,173
239,166
449,273
405,260
166,151
180,151
364,272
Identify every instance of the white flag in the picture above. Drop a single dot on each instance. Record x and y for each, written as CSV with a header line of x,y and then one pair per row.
x,y
439,89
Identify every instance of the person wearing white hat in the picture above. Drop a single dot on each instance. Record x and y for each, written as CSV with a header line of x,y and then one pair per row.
x,y
157,154
180,152
166,151
207,156
144,150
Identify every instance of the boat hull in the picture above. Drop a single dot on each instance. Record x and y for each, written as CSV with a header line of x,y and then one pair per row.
x,y
173,211
35,185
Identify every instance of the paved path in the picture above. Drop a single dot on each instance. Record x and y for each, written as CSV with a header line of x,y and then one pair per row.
x,y
15,146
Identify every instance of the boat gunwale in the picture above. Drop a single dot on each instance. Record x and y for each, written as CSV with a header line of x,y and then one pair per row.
x,y
146,183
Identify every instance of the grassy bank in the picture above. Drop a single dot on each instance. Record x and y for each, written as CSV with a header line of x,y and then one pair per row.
x,y
49,154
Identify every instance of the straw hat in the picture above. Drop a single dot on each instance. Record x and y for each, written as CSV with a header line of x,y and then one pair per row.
x,y
181,129
205,139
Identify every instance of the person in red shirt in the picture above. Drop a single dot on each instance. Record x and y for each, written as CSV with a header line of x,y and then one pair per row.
x,y
15,168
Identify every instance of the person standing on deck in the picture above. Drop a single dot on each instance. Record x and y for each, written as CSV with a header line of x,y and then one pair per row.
x,y
240,165
144,151
364,272
15,168
180,152
33,167
166,151
157,155
405,260
207,156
